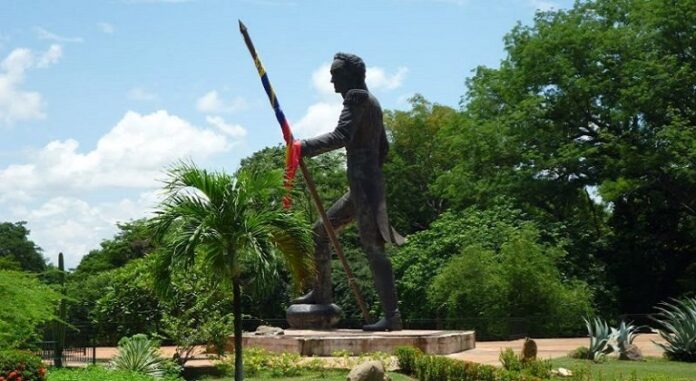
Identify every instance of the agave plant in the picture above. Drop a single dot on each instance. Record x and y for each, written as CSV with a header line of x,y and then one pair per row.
x,y
622,337
598,331
139,354
678,329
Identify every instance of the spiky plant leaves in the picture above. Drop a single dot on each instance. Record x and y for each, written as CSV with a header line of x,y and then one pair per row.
x,y
678,328
139,354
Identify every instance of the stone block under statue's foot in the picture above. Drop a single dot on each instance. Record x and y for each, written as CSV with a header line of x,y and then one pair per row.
x,y
313,316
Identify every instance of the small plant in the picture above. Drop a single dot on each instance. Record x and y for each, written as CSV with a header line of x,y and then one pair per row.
x,y
139,354
581,353
406,358
285,365
599,334
510,361
18,365
678,321
622,337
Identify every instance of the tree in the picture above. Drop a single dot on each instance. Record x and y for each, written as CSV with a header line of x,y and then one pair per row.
x,y
233,227
596,97
16,247
27,303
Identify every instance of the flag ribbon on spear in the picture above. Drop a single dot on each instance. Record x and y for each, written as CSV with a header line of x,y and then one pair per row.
x,y
292,152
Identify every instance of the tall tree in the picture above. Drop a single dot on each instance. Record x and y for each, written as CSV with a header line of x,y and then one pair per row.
x,y
233,228
17,248
597,97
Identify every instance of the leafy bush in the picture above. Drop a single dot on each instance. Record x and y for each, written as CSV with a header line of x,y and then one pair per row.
x,y
21,365
406,357
285,365
26,303
678,321
508,358
520,278
98,373
599,334
139,354
581,353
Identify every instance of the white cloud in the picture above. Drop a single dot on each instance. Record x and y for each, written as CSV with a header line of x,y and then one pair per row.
x,y
322,116
212,103
74,227
15,103
43,34
233,130
141,95
131,155
51,56
376,78
106,28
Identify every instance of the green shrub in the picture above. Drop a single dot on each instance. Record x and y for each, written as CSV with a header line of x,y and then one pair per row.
x,y
285,365
508,358
139,354
678,321
98,373
580,353
598,331
15,364
406,357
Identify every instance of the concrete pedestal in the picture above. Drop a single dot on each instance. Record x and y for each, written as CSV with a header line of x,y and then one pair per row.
x,y
325,343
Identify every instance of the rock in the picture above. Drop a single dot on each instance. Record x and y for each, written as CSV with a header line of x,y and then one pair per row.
x,y
529,350
368,371
562,372
265,330
313,316
632,353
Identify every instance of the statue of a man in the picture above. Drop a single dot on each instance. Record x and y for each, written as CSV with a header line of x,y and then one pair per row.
x,y
360,130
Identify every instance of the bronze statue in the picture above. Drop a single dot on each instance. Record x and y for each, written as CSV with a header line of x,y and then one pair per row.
x,y
360,130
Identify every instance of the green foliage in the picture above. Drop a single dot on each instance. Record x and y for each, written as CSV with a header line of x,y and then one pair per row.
x,y
18,365
580,353
415,161
17,249
233,227
132,241
406,357
27,303
138,354
126,304
598,331
518,278
678,328
510,361
93,373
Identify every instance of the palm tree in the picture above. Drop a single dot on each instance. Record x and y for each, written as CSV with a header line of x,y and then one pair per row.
x,y
232,226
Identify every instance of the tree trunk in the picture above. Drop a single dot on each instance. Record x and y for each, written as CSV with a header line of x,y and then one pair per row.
x,y
237,307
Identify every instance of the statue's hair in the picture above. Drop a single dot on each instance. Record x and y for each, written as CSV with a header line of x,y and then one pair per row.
x,y
354,65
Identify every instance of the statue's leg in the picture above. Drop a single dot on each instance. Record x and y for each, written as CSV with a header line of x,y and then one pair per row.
x,y
383,275
341,213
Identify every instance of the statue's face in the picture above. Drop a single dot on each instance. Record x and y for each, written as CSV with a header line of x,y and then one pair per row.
x,y
339,77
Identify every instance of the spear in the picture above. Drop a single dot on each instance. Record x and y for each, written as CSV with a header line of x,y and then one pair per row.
x,y
287,136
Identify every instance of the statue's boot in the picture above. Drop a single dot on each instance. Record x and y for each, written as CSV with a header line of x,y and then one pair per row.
x,y
384,283
322,292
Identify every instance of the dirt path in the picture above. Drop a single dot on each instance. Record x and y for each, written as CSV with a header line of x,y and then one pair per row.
x,y
486,352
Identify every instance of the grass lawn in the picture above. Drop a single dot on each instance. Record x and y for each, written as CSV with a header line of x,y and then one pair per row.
x,y
614,369
329,375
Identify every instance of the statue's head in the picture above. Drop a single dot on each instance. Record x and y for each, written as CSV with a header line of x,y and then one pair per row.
x,y
347,72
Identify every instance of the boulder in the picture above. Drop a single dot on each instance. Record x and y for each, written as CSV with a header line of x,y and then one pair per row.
x,y
265,330
632,353
368,371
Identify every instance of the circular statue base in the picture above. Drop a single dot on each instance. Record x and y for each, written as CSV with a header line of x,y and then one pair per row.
x,y
313,316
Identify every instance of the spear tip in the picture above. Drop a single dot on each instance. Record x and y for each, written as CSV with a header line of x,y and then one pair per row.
x,y
242,27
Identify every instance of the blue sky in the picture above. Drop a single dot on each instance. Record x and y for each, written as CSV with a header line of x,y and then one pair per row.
x,y
96,97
